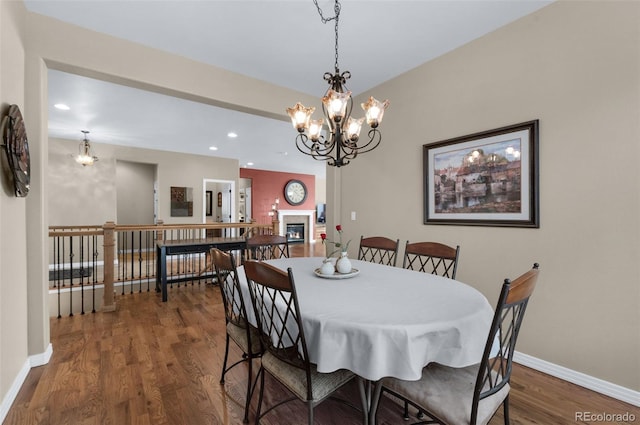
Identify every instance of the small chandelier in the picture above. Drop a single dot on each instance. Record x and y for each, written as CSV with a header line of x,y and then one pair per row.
x,y
85,154
341,143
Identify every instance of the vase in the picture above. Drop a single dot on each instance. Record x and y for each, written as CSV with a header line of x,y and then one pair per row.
x,y
327,267
343,265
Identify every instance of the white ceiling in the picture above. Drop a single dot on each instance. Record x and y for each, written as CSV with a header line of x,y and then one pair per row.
x,y
283,42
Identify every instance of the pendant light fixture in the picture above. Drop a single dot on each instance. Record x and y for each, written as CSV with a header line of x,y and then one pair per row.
x,y
85,154
341,141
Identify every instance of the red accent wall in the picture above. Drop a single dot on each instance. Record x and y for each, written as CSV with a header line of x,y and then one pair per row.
x,y
266,186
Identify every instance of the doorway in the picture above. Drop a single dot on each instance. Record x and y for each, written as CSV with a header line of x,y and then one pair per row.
x,y
218,196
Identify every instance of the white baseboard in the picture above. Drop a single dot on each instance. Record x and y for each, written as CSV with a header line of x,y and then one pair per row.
x,y
42,358
598,385
32,361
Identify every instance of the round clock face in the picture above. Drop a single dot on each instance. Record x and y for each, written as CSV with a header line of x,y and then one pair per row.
x,y
16,146
295,192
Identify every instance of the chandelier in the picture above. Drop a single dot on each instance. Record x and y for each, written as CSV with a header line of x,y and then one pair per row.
x,y
85,154
341,141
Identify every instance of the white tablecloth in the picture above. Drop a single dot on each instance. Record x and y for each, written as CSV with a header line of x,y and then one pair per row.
x,y
387,321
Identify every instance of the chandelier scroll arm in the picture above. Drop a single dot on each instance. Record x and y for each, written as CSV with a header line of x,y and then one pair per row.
x,y
319,150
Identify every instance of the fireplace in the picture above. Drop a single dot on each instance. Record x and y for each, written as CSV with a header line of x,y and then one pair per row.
x,y
306,217
295,232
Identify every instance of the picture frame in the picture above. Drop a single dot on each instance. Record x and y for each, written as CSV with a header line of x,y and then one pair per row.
x,y
209,203
181,201
488,178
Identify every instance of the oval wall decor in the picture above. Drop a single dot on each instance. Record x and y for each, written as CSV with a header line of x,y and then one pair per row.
x,y
16,145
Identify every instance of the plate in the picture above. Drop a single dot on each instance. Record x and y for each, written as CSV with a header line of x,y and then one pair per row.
x,y
352,273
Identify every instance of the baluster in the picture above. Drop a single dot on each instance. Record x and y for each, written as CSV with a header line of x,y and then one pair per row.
x,y
81,243
70,275
139,261
95,272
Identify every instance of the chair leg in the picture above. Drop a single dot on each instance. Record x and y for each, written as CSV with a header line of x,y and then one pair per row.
x,y
310,409
224,363
261,374
249,392
506,410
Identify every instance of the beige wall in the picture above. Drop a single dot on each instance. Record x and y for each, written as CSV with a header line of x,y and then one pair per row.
x,y
79,195
134,192
98,182
575,66
13,211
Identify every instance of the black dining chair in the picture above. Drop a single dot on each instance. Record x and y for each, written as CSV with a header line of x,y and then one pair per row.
x,y
286,357
471,395
379,249
432,257
238,328
267,247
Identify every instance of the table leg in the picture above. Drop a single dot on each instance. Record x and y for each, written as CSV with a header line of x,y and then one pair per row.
x,y
161,272
364,385
374,402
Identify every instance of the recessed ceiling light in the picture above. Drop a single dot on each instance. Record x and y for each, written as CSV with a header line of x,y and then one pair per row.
x,y
213,148
232,135
61,106
249,164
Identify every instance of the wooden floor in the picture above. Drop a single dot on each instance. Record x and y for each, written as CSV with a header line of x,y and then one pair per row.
x,y
159,363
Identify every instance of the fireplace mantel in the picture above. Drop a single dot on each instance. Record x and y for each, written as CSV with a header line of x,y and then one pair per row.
x,y
308,225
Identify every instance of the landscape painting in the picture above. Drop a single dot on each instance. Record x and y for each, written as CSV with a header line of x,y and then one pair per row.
x,y
488,178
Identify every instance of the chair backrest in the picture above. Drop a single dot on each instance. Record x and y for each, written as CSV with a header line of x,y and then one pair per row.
x,y
275,304
267,247
431,257
378,249
495,367
234,306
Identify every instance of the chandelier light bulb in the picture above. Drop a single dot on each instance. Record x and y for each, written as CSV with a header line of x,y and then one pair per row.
x,y
336,104
84,159
300,116
353,128
315,129
374,111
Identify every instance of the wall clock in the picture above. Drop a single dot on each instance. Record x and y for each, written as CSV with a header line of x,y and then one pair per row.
x,y
295,192
16,147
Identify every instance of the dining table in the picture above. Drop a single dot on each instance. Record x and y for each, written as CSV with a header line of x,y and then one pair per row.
x,y
384,321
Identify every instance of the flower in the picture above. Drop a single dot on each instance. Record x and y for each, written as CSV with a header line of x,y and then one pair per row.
x,y
340,247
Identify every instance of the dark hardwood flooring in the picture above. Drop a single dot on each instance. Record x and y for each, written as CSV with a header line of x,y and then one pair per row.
x,y
159,363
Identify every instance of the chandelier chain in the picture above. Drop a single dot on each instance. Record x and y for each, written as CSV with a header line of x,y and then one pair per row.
x,y
335,17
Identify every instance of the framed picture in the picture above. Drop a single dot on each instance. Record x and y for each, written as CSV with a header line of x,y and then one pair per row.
x,y
484,179
181,201
209,203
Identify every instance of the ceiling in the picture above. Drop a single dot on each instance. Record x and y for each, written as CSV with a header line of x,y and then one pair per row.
x,y
281,42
